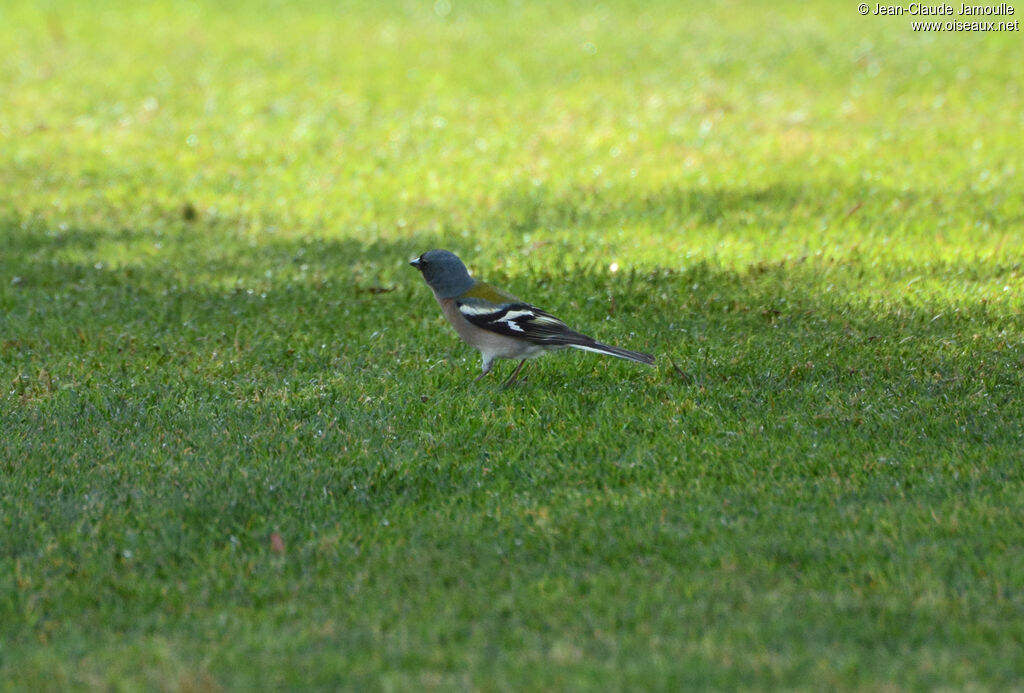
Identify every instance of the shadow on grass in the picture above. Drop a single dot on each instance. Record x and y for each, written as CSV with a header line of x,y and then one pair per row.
x,y
254,304
771,206
207,262
251,313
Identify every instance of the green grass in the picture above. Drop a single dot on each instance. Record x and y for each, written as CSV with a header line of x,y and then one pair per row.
x,y
209,336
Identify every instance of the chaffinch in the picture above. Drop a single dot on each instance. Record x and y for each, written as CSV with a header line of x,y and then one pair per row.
x,y
497,323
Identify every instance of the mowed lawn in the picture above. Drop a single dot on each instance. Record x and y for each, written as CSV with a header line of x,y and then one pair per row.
x,y
241,450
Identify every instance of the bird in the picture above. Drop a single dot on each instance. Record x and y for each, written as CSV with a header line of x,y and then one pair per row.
x,y
497,323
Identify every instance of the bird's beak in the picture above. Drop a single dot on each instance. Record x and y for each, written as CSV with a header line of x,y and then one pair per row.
x,y
415,263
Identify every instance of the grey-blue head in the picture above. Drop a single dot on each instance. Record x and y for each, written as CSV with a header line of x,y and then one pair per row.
x,y
444,273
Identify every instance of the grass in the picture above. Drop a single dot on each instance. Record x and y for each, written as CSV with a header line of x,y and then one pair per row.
x,y
241,450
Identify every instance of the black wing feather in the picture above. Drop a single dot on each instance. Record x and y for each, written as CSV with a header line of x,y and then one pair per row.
x,y
523,321
519,320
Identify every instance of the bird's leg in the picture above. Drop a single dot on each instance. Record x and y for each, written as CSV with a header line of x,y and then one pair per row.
x,y
515,373
487,369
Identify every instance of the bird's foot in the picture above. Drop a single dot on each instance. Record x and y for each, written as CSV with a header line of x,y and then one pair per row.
x,y
515,374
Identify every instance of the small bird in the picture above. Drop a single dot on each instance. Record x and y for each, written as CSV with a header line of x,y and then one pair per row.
x,y
497,323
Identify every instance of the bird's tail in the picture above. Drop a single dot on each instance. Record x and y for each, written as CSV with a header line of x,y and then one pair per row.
x,y
588,344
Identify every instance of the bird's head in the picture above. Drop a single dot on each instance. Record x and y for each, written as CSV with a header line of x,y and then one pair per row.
x,y
444,273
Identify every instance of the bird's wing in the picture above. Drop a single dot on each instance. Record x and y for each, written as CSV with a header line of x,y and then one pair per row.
x,y
492,309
